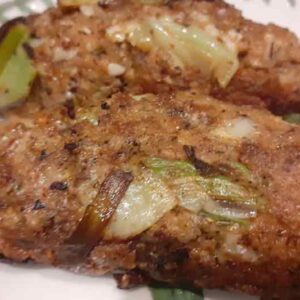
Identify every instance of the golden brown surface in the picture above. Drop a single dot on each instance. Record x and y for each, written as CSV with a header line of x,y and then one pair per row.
x,y
36,215
80,123
269,56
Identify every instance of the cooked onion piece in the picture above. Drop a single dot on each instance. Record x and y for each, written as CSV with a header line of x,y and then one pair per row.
x,y
16,70
147,200
238,128
187,46
232,247
126,208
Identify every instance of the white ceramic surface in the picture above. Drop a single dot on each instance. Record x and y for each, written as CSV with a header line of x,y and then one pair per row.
x,y
25,282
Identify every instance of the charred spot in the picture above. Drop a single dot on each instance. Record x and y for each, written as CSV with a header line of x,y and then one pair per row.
x,y
74,89
38,205
186,125
27,260
59,185
180,256
160,263
177,257
201,166
123,85
73,131
105,106
120,153
34,35
134,143
177,70
70,106
43,155
8,25
70,147
48,91
242,54
99,52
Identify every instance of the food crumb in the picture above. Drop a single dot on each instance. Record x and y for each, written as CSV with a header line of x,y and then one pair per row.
x,y
115,69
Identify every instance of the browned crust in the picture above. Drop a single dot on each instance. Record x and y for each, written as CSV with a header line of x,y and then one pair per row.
x,y
182,248
269,56
79,138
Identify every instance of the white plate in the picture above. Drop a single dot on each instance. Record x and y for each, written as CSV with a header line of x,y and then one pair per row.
x,y
38,283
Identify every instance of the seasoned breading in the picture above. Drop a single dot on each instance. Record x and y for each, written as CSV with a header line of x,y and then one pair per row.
x,y
73,44
52,167
120,161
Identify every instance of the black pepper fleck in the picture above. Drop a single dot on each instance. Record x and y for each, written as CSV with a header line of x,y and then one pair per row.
x,y
38,205
70,147
43,155
105,106
69,105
58,185
180,256
74,89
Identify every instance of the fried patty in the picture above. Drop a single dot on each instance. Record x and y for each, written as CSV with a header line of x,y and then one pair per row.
x,y
86,120
52,167
86,43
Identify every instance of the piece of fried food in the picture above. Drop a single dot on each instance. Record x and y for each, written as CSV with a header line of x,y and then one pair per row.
x,y
124,45
180,188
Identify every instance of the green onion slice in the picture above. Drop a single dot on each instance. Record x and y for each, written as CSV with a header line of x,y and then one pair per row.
x,y
217,195
17,72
